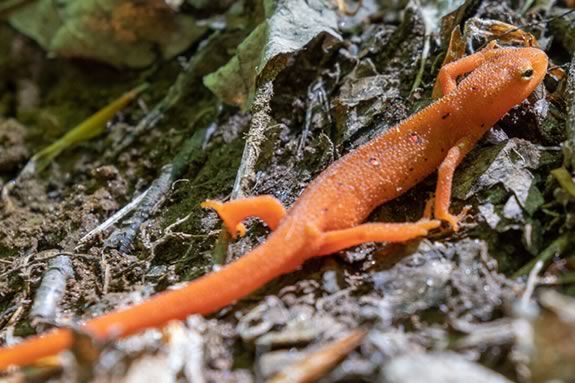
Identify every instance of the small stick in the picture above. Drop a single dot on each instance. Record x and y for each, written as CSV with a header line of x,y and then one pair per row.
x,y
570,101
531,284
51,290
558,246
112,220
317,364
123,237
153,197
246,171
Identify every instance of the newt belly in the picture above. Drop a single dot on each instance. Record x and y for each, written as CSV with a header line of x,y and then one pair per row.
x,y
328,215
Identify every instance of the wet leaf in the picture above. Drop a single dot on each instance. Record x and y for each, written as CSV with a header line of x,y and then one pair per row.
x,y
508,166
288,28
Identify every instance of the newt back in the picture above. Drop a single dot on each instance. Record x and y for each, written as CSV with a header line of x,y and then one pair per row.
x,y
348,190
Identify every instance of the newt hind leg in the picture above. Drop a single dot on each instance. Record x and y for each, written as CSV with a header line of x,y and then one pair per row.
x,y
333,241
265,207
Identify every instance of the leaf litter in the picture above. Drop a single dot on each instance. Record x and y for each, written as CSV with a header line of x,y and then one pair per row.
x,y
273,91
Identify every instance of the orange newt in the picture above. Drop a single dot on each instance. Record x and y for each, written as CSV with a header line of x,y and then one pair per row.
x,y
328,215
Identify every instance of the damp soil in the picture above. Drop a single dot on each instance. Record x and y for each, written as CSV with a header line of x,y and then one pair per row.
x,y
266,97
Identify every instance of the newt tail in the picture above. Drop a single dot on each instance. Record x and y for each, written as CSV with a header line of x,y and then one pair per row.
x,y
202,296
329,215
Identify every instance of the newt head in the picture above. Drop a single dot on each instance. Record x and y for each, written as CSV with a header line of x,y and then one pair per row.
x,y
506,77
520,71
530,69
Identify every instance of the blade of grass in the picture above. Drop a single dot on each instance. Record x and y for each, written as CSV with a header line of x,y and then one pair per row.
x,y
87,129
557,247
563,176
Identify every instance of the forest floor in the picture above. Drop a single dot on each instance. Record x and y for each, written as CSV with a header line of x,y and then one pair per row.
x,y
262,98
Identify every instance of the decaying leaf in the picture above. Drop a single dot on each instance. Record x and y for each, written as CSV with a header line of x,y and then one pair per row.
x,y
122,33
289,26
313,84
507,164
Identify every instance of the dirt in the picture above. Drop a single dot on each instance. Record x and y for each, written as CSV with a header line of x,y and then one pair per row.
x,y
455,297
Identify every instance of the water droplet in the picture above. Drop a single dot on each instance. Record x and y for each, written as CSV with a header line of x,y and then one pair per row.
x,y
374,161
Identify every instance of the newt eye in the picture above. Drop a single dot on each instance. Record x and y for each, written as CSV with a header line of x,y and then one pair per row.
x,y
527,74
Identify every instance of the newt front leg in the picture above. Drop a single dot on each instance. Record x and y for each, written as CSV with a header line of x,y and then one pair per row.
x,y
448,74
445,182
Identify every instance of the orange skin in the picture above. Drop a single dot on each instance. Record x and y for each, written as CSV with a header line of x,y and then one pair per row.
x,y
328,215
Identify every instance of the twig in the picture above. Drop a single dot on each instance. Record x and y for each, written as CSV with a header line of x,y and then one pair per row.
x,y
246,171
558,246
531,284
315,95
123,237
570,101
256,135
169,233
317,364
424,55
156,114
112,220
51,289
520,27
145,203
9,330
